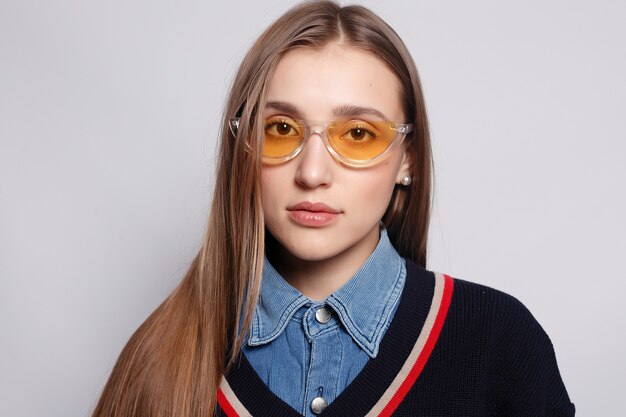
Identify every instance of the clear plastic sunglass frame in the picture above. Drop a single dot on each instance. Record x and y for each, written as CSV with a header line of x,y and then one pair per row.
x,y
402,130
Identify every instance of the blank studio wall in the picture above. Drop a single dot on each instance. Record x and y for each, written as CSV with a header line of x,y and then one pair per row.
x,y
109,112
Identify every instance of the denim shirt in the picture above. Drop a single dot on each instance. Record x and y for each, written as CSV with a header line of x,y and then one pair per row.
x,y
300,356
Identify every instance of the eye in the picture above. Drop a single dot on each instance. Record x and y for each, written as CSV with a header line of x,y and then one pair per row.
x,y
281,127
359,132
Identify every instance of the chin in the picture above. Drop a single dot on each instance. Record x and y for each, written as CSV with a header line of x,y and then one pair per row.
x,y
348,241
312,252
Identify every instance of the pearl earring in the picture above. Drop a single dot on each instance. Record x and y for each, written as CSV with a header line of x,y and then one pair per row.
x,y
406,180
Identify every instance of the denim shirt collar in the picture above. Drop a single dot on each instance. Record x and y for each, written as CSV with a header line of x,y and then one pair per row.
x,y
364,304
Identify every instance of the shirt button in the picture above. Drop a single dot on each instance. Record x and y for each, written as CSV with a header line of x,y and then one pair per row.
x,y
318,405
322,315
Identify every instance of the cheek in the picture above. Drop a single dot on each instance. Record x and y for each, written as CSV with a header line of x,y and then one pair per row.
x,y
273,189
374,189
380,197
382,179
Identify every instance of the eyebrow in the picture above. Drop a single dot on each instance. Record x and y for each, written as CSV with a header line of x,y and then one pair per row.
x,y
347,110
351,111
284,107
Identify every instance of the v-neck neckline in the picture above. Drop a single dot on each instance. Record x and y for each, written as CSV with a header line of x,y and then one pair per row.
x,y
383,382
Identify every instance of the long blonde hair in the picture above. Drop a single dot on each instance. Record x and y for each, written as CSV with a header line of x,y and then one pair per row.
x,y
173,363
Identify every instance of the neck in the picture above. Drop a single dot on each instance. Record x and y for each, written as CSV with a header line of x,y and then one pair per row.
x,y
318,279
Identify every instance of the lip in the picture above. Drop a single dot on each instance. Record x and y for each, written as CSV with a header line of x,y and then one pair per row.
x,y
313,207
312,214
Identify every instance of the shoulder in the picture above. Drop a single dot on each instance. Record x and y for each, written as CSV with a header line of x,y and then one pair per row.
x,y
492,340
477,301
516,349
493,317
479,305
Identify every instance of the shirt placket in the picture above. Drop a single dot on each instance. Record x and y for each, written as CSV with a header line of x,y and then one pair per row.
x,y
320,326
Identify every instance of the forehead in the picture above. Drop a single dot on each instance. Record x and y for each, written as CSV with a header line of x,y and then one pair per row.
x,y
318,81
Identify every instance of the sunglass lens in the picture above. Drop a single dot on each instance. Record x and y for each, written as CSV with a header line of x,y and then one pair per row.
x,y
282,137
360,140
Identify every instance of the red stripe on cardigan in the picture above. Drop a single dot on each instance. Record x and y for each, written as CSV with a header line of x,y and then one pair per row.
x,y
225,405
423,357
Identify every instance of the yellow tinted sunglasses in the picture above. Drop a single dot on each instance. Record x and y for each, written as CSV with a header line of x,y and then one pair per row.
x,y
354,142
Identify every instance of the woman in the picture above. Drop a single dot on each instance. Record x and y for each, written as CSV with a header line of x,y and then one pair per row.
x,y
309,295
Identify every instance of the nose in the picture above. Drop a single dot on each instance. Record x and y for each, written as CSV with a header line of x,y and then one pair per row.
x,y
315,164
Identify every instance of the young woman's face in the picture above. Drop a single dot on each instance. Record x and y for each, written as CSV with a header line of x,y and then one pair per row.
x,y
316,207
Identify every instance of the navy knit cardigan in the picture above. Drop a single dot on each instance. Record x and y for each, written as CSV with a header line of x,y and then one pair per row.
x,y
454,348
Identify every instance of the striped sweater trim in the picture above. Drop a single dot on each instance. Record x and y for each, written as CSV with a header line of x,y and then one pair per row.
x,y
422,349
229,402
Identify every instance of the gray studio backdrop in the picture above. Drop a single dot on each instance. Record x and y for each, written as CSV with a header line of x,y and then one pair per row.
x,y
108,119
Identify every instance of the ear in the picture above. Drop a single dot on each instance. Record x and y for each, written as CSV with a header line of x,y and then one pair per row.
x,y
406,166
